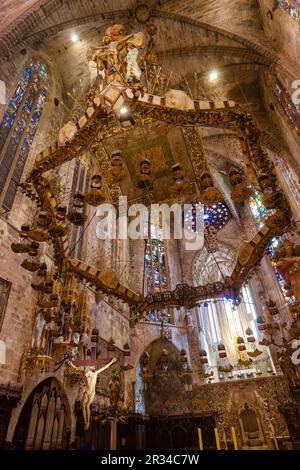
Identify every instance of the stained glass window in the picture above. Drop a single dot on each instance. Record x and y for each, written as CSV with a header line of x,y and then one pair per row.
x,y
260,214
290,178
18,128
216,215
291,6
155,260
289,107
221,324
155,271
275,242
80,183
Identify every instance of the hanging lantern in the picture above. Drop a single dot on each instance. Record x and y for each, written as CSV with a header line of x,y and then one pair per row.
x,y
250,337
126,350
262,326
41,273
58,226
76,215
183,357
145,174
272,308
95,195
241,191
177,173
39,231
117,171
95,335
203,357
241,344
33,263
180,186
222,351
48,287
111,345
145,359
23,245
210,195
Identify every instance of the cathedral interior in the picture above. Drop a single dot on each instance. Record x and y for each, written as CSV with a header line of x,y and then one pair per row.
x,y
149,338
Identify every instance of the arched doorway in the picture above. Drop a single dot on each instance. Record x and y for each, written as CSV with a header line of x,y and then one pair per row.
x,y
44,422
179,438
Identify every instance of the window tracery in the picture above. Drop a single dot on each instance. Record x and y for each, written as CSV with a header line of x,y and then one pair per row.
x,y
260,214
289,177
155,271
213,267
216,215
18,128
223,324
230,336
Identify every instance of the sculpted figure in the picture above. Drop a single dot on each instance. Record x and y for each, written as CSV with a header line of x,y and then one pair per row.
x,y
90,378
117,57
114,389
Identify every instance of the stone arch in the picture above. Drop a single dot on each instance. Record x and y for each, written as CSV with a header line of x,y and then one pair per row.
x,y
22,32
250,425
45,405
205,265
158,386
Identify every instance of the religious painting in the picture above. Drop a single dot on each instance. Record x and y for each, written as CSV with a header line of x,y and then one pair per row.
x,y
4,294
103,383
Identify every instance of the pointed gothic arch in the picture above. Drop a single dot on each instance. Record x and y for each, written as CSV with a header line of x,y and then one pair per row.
x,y
44,422
18,128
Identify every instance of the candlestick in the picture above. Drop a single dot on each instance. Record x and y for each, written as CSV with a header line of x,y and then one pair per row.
x,y
200,439
235,444
217,439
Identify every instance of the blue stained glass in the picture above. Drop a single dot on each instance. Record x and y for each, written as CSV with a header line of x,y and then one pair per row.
x,y
288,6
260,214
19,125
11,111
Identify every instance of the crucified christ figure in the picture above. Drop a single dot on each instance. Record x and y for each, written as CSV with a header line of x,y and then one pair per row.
x,y
89,389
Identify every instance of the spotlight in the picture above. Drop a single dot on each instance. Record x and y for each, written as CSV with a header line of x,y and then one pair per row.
x,y
213,75
125,117
124,110
74,37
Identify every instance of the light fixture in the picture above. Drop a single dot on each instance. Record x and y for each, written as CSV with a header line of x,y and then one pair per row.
x,y
74,37
125,117
124,110
213,75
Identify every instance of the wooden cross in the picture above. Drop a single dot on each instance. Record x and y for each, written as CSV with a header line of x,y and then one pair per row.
x,y
90,362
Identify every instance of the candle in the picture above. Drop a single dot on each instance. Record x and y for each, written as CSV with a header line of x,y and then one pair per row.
x,y
235,445
200,439
217,439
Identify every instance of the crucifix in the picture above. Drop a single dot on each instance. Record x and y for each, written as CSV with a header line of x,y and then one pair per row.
x,y
90,379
